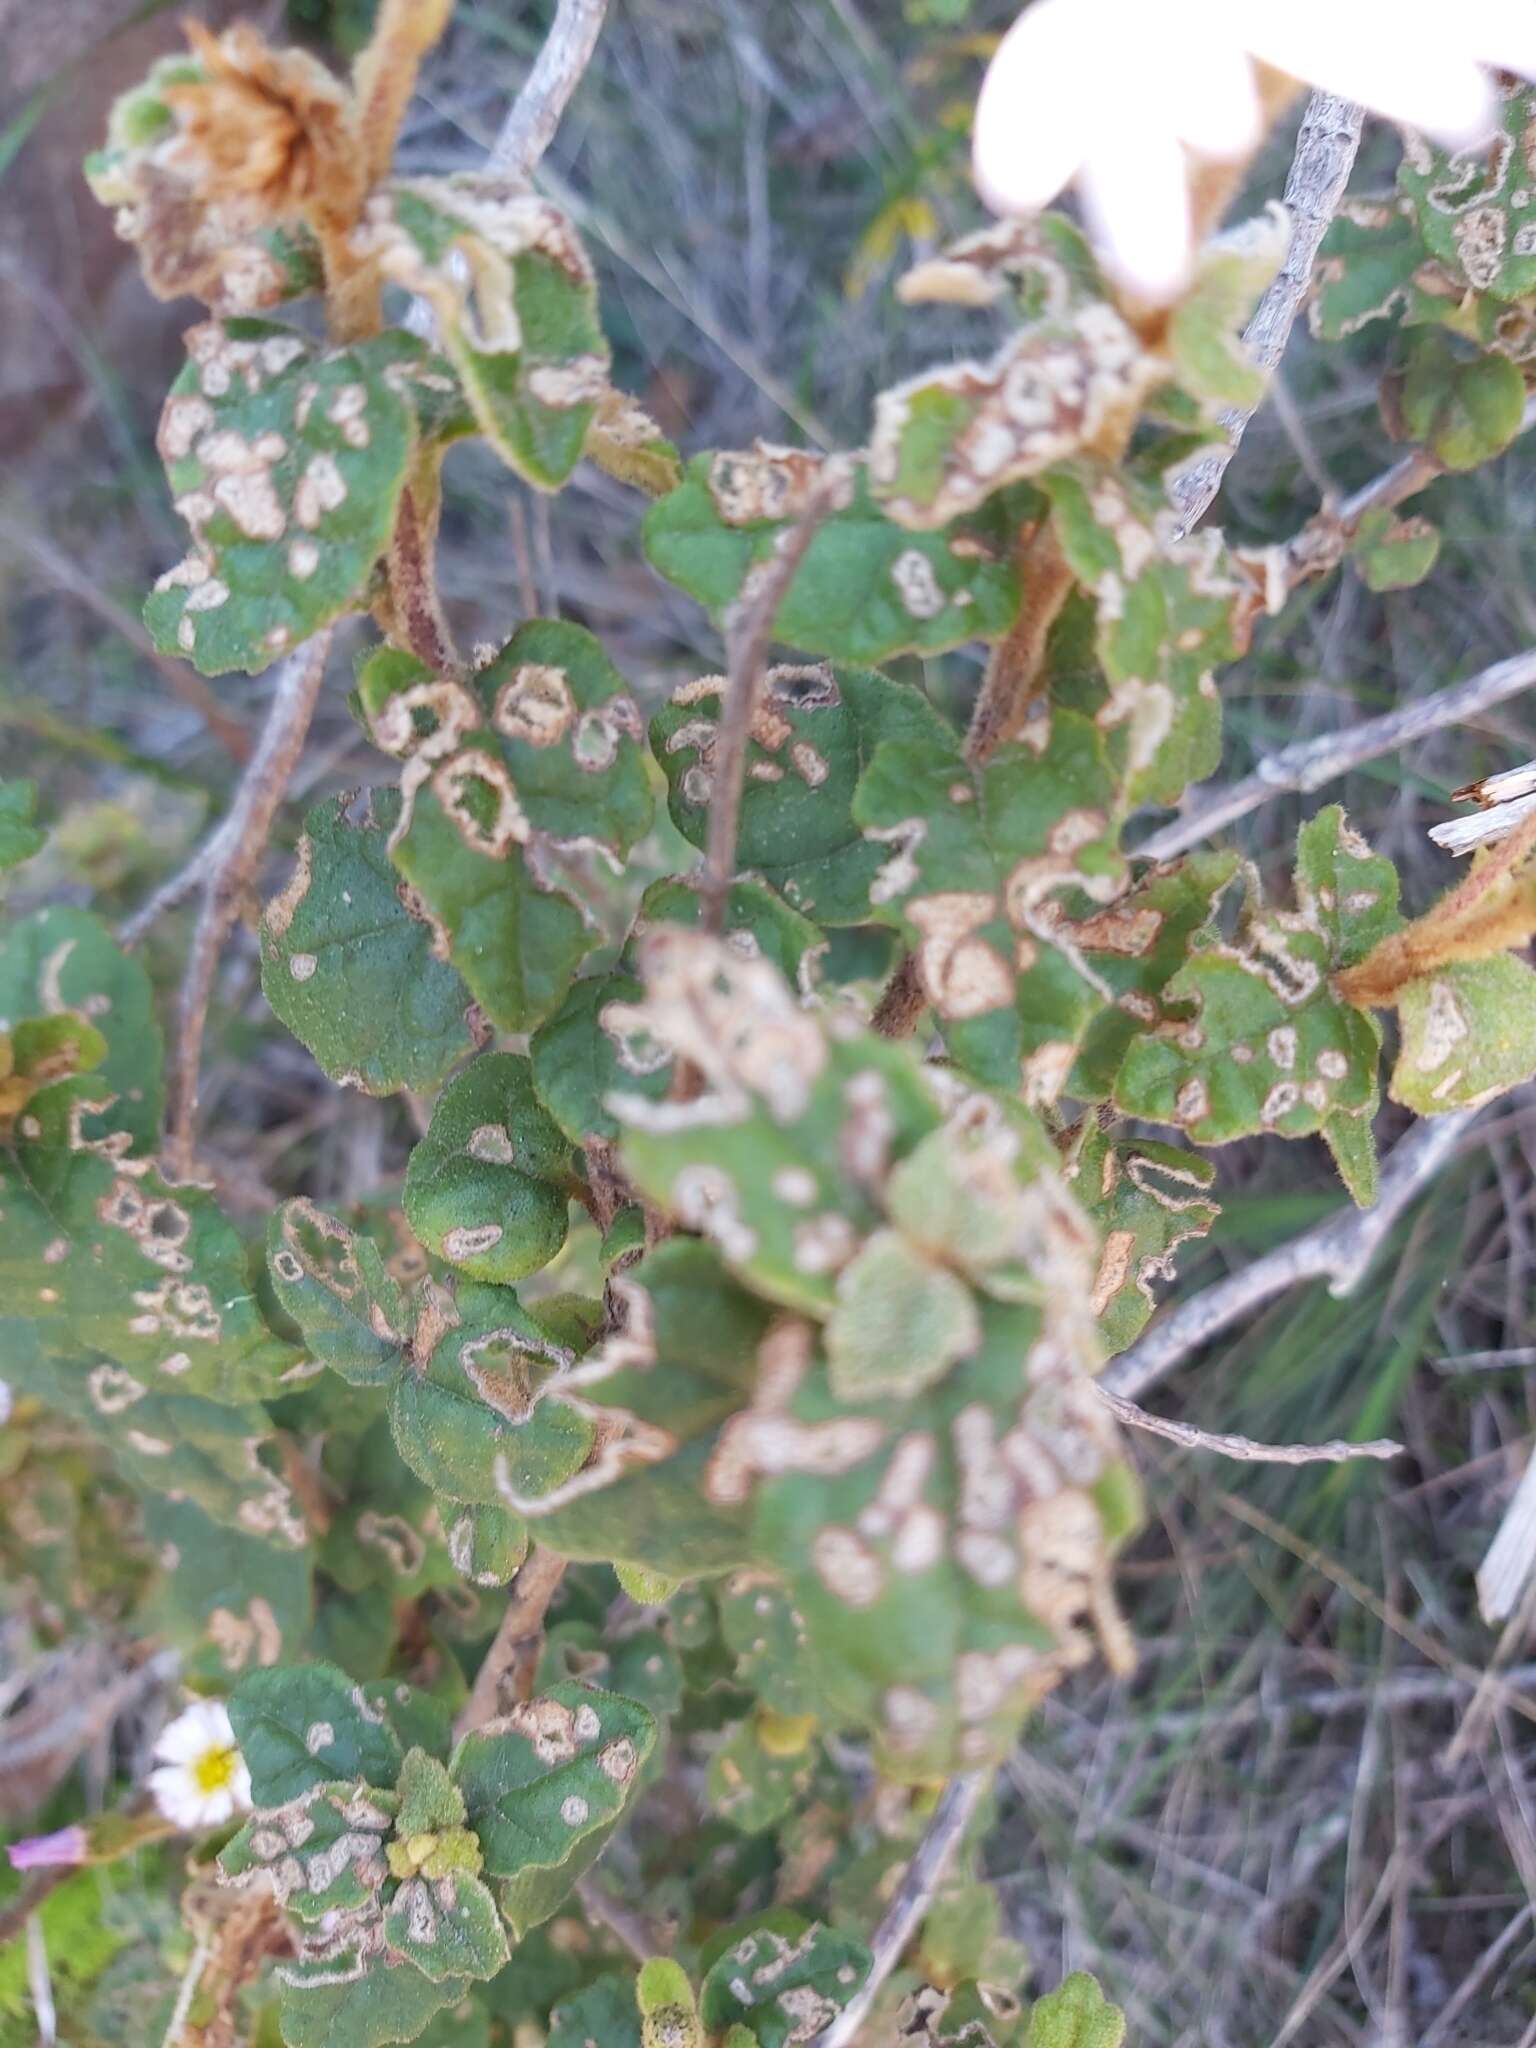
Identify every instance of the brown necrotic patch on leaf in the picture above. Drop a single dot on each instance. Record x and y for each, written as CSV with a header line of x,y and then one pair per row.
x,y
1050,392
535,705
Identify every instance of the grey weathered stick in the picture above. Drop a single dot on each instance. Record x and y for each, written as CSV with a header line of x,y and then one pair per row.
x,y
749,632
530,127
1325,155
1338,1250
1337,1451
230,861
1310,764
951,1817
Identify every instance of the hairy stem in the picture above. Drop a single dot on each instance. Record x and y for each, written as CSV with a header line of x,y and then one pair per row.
x,y
1310,764
953,1814
530,126
231,861
749,633
1338,1250
513,1655
1017,667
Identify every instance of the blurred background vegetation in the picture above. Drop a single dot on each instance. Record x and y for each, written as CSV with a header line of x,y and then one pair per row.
x,y
1300,1822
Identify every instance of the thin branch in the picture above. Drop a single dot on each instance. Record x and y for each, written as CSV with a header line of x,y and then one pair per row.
x,y
233,856
515,1649
914,1895
749,633
1326,144
1336,1451
183,682
1338,1250
530,126
626,1926
1324,541
1308,765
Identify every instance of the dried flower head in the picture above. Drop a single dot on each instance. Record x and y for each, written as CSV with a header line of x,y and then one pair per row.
x,y
271,129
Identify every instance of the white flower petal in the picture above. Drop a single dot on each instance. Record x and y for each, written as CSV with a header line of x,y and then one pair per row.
x,y
175,1795
202,1726
1407,59
1501,32
1136,195
1205,90
1035,111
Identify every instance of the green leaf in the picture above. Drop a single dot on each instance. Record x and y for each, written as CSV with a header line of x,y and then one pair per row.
x,y
449,1927
470,1413
371,2009
1392,553
543,1781
945,440
228,1601
516,305
1167,619
1375,265
1476,210
323,1852
756,918
1231,271
487,1544
1075,2015
1464,411
64,962
486,1188
287,463
816,729
19,836
351,964
603,2015
1135,946
1267,1045
677,1365
334,1283
307,1725
1352,1143
899,1322
120,1266
767,1637
751,1788
580,1059
515,783
780,1157
1147,1200
787,1981
972,870
867,588
1468,1034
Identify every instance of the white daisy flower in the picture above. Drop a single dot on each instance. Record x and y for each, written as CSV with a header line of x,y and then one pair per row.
x,y
201,1780
1126,96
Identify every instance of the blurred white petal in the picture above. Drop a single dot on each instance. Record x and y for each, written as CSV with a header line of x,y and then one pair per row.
x,y
1136,197
1036,113
1206,89
1408,59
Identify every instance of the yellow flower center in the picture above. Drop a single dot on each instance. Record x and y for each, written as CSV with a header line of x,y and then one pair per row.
x,y
215,1769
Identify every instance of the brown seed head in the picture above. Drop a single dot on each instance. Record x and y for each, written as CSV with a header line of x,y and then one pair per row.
x,y
268,129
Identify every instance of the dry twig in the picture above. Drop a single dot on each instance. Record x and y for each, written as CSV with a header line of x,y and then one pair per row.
x,y
1308,765
183,682
515,1650
530,126
952,1815
1338,1250
749,632
1326,144
1335,1452
227,868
